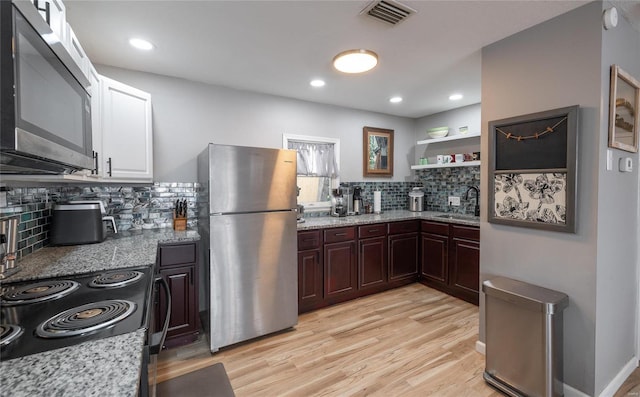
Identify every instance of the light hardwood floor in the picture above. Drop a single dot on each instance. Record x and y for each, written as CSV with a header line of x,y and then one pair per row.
x,y
411,341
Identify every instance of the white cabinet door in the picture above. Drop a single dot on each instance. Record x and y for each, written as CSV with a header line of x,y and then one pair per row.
x,y
55,14
127,140
76,51
96,121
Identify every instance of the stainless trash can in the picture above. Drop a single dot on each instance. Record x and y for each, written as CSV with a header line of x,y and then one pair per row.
x,y
523,324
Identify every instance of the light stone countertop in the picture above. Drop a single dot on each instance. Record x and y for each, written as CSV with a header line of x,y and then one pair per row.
x,y
126,249
104,367
389,216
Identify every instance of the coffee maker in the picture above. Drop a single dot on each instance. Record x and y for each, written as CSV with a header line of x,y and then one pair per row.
x,y
357,200
338,207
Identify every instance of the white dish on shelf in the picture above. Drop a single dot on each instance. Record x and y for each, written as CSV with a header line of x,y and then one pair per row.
x,y
439,132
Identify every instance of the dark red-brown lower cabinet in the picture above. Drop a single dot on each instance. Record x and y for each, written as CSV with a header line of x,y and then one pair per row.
x,y
340,267
403,252
464,262
435,254
372,258
178,265
310,270
451,259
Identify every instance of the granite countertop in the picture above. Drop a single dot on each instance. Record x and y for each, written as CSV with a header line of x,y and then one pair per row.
x,y
126,249
104,367
388,216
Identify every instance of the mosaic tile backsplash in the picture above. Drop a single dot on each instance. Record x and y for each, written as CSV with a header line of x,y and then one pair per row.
x,y
440,183
137,207
149,207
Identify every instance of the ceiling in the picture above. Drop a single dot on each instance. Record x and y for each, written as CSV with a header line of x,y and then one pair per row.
x,y
278,47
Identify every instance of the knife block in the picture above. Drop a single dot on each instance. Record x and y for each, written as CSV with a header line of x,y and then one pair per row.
x,y
179,224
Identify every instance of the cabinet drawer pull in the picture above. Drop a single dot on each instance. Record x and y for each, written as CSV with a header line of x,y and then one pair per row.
x,y
309,240
373,230
340,234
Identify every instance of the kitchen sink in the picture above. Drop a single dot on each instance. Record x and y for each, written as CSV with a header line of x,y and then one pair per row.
x,y
458,216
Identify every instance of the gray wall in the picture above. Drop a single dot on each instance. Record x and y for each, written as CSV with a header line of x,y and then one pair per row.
x,y
551,65
188,115
467,115
596,267
616,283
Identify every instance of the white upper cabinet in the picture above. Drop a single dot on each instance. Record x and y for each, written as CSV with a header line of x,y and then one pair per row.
x,y
96,127
55,14
127,138
76,51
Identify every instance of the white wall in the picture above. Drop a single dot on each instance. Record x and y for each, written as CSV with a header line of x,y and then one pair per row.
x,y
618,238
188,115
551,65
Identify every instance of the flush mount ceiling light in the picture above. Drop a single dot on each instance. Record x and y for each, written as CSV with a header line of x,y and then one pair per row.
x,y
355,61
317,83
395,99
455,97
141,44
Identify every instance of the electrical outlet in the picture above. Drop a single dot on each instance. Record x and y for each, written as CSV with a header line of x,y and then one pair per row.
x,y
454,200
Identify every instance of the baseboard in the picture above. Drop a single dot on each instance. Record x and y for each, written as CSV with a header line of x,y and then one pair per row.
x,y
481,347
619,379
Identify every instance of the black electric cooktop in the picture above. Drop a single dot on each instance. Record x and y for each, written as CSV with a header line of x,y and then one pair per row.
x,y
42,315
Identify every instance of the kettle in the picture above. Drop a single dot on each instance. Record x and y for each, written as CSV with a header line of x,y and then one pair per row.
x,y
416,199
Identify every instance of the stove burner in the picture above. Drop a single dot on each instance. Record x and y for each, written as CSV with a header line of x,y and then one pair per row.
x,y
86,318
38,292
116,279
9,333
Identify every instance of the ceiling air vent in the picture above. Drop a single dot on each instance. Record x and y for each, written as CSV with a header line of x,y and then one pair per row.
x,y
388,11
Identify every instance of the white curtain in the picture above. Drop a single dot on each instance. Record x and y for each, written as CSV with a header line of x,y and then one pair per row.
x,y
315,159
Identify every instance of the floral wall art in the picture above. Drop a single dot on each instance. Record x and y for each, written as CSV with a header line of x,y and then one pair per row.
x,y
532,197
532,167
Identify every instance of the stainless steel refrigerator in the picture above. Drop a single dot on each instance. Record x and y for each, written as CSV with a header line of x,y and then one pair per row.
x,y
247,219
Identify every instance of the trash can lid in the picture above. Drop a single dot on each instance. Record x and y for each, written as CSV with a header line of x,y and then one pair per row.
x,y
526,295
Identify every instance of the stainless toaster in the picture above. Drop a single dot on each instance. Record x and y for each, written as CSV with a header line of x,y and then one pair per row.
x,y
79,222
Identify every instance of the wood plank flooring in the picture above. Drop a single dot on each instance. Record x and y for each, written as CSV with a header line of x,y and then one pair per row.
x,y
411,341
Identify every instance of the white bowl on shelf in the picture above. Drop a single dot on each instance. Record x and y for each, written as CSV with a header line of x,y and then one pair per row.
x,y
439,132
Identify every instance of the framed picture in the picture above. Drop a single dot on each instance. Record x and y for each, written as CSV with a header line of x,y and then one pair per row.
x,y
532,170
377,156
624,120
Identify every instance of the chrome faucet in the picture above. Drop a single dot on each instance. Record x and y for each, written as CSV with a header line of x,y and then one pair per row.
x,y
476,210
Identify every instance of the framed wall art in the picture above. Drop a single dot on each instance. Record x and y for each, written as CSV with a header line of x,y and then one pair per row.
x,y
532,170
377,156
624,120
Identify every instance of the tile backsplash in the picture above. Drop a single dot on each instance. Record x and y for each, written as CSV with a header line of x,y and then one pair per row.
x,y
440,183
151,206
133,207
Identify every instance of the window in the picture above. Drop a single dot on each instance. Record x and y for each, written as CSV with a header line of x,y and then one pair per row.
x,y
318,164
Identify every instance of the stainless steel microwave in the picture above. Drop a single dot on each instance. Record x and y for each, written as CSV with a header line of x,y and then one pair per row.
x,y
45,109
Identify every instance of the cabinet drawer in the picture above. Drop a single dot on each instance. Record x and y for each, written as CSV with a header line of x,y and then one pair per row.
x,y
376,230
177,254
403,227
435,228
339,234
308,240
466,232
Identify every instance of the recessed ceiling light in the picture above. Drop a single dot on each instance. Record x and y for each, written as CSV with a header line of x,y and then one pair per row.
x,y
355,61
455,97
141,44
395,99
317,83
